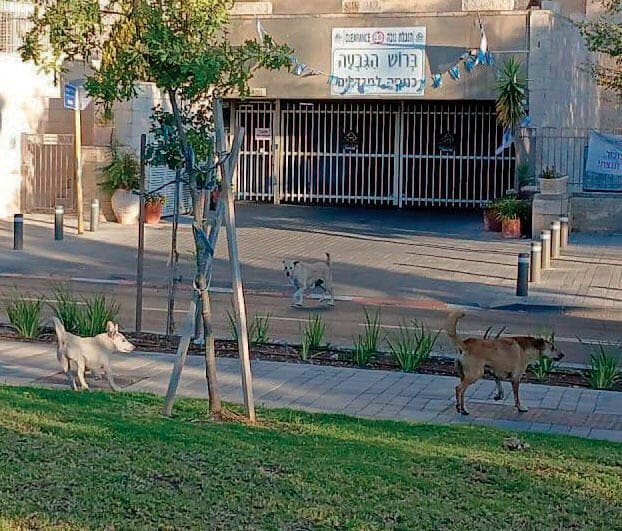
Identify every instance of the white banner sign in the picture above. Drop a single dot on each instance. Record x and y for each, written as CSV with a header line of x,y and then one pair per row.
x,y
378,61
604,163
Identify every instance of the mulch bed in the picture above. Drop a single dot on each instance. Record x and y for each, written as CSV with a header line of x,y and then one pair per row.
x,y
283,352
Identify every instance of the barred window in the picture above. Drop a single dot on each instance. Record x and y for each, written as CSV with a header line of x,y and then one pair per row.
x,y
14,24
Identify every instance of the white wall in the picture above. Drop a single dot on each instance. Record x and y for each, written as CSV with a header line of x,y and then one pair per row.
x,y
23,105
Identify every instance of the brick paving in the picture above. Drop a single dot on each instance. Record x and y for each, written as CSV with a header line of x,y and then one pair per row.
x,y
357,392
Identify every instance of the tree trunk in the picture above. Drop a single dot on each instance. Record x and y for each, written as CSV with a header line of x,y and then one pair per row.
x,y
198,198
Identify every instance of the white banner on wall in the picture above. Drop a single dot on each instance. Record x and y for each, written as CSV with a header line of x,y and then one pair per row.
x,y
604,163
378,61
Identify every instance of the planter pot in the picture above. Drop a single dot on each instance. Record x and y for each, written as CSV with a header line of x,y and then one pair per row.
x,y
554,186
126,206
153,213
511,228
491,221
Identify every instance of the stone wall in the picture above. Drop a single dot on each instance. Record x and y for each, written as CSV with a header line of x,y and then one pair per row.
x,y
597,212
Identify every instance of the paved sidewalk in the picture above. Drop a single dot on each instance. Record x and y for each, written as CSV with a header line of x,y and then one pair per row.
x,y
436,258
358,392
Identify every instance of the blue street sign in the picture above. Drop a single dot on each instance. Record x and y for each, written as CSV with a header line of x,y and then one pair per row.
x,y
71,95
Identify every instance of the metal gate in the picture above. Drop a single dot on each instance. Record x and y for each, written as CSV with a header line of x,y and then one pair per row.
x,y
48,171
374,153
255,172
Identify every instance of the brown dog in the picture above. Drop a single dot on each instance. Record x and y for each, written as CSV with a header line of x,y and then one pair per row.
x,y
508,357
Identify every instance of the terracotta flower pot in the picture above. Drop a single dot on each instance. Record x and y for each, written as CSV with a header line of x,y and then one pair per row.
x,y
511,228
153,213
126,206
491,221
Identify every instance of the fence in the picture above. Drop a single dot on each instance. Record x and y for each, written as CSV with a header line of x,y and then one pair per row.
x,y
564,149
372,152
48,171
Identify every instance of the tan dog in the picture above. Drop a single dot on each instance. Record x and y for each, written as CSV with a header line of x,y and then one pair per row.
x,y
305,276
508,357
78,354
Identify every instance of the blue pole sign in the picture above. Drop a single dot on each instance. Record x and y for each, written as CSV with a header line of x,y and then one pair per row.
x,y
71,95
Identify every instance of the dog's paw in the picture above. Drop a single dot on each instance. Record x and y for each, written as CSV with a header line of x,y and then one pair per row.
x,y
498,397
522,409
464,412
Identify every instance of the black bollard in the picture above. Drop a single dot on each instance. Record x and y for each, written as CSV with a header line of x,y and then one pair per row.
x,y
18,232
522,279
94,215
536,261
59,213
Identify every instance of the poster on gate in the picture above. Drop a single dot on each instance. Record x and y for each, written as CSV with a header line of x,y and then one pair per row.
x,y
603,169
378,61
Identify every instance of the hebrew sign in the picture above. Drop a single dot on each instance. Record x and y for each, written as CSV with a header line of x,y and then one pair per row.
x,y
378,61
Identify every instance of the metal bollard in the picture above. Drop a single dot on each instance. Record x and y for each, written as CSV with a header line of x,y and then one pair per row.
x,y
545,238
555,230
59,213
536,261
563,233
94,215
522,279
18,232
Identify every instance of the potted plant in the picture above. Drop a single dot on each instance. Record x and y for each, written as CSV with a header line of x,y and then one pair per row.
x,y
153,208
122,178
510,211
491,217
552,182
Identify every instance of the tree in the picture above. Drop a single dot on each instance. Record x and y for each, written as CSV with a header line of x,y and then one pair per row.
x,y
605,36
511,103
182,46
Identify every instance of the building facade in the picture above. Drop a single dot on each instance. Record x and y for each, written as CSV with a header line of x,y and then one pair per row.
x,y
390,103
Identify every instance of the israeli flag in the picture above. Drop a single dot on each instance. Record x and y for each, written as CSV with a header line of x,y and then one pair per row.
x,y
454,72
506,142
483,48
437,81
261,31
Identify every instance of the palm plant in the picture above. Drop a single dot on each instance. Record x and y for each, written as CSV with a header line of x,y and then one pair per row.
x,y
512,100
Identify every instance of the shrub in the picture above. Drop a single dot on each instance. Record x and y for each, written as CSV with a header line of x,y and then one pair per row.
x,y
68,310
123,172
543,368
95,314
603,369
25,316
85,318
411,346
510,208
550,173
312,336
258,329
155,199
366,346
361,354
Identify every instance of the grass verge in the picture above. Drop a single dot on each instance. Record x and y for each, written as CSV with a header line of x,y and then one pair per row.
x,y
101,460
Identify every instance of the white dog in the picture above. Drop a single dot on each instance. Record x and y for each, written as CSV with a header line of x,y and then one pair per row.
x,y
78,354
305,276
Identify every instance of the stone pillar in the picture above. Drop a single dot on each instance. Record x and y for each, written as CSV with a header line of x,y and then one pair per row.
x,y
547,208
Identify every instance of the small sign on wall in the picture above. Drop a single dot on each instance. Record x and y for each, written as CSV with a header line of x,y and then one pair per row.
x,y
263,133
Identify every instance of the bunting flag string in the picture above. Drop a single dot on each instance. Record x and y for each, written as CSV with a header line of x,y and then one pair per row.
x,y
471,59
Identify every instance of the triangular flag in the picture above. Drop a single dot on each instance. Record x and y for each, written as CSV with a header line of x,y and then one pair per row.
x,y
437,81
506,142
261,31
454,72
470,63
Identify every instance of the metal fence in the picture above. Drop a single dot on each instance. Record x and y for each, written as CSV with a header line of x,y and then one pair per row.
x,y
372,152
48,170
564,149
14,24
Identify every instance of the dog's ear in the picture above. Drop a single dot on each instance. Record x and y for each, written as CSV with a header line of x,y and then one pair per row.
x,y
110,328
540,344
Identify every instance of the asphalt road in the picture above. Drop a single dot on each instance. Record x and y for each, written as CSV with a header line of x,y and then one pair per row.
x,y
576,335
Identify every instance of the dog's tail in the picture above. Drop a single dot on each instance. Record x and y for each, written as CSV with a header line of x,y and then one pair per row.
x,y
450,327
328,259
61,334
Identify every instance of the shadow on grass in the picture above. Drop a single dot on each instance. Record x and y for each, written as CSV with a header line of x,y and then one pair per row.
x,y
92,460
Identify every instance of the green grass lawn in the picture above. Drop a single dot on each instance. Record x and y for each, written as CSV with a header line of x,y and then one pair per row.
x,y
95,460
